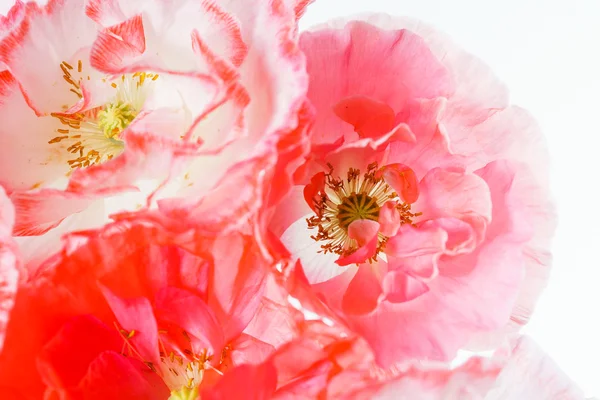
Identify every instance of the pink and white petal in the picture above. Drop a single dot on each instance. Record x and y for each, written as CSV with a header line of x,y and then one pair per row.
x,y
27,161
339,60
523,213
472,380
317,266
528,373
35,249
190,313
42,210
105,379
12,18
136,315
168,29
46,37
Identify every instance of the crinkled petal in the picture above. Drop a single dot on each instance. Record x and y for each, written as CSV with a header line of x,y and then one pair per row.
x,y
34,54
347,62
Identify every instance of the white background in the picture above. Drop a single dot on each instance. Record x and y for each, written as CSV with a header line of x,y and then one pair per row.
x,y
548,52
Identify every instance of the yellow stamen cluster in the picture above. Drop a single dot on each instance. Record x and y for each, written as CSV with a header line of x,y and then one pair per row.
x,y
93,136
181,368
344,201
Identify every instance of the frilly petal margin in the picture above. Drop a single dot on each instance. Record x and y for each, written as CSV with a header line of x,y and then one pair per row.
x,y
9,264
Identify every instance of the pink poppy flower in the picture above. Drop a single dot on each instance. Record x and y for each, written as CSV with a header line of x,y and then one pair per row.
x,y
421,216
136,310
114,105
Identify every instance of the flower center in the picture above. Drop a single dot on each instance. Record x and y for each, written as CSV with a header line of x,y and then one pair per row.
x,y
94,136
181,368
114,118
343,201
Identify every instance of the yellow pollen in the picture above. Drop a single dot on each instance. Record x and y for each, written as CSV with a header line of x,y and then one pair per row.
x,y
344,201
185,393
114,118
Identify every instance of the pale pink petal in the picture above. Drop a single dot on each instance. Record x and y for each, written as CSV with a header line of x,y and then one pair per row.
x,y
247,349
455,193
416,251
530,374
389,219
430,148
347,62
523,213
400,287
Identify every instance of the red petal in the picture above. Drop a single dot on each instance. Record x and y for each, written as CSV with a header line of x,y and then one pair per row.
x,y
113,376
312,190
370,118
363,291
245,382
64,361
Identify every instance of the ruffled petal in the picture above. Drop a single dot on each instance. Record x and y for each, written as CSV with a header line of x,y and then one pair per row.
x,y
347,62
34,53
9,264
27,161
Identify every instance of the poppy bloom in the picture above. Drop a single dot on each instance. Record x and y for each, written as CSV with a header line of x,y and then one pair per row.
x,y
421,216
137,309
111,106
